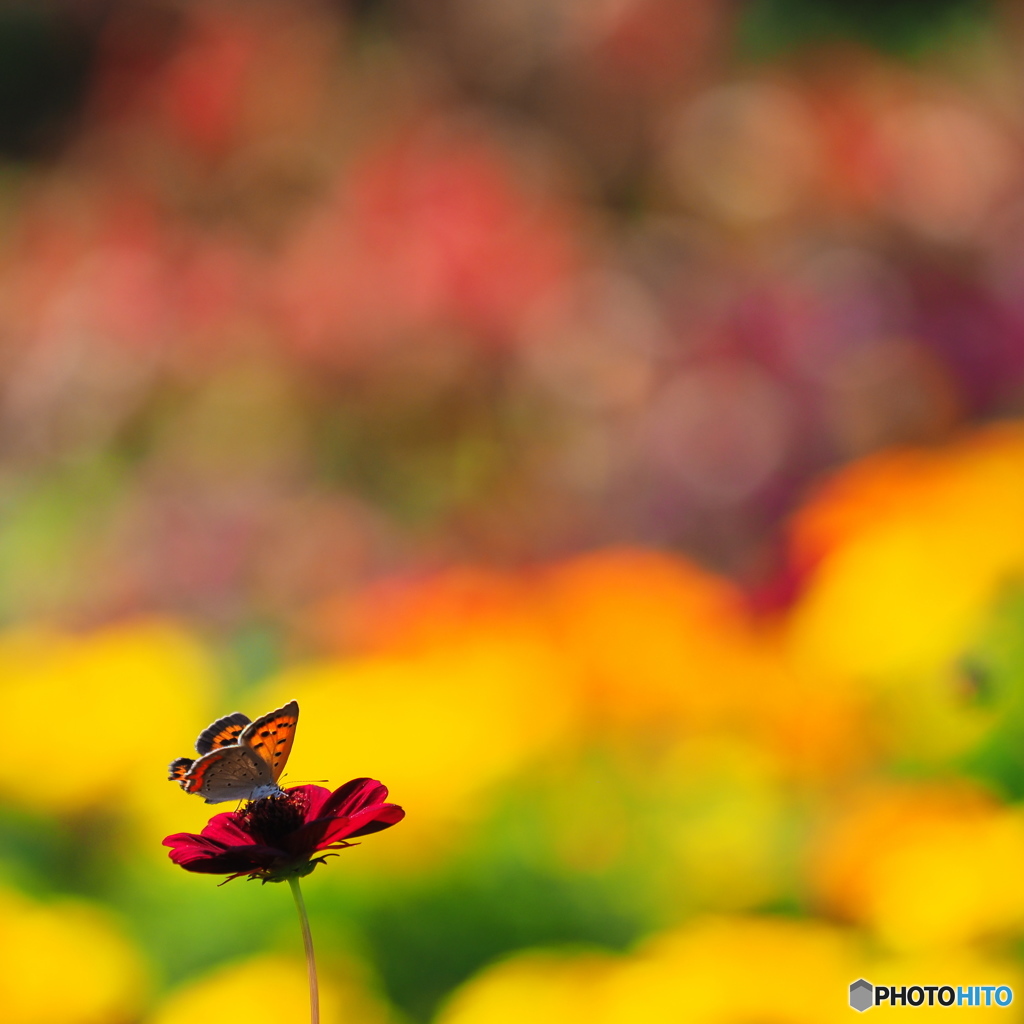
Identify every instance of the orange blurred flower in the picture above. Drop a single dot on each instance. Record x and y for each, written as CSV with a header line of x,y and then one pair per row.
x,y
924,866
649,634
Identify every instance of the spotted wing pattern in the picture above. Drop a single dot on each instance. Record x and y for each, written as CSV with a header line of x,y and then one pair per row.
x,y
240,760
230,773
222,733
271,737
179,768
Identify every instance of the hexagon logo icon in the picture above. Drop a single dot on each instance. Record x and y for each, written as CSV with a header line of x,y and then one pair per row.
x,y
862,995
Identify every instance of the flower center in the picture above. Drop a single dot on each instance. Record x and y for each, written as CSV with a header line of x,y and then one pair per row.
x,y
273,818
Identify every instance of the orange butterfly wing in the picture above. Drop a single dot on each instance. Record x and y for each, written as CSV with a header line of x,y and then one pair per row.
x,y
233,772
271,736
179,768
222,733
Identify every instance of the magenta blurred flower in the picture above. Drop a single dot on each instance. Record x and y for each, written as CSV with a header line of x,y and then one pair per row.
x,y
275,838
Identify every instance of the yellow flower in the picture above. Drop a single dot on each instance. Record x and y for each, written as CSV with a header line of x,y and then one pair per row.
x,y
274,988
96,712
64,963
718,816
539,987
734,970
925,867
728,970
956,968
438,727
906,551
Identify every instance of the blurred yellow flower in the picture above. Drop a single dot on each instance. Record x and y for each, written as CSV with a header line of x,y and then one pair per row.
x,y
277,989
715,970
437,727
720,811
65,962
97,711
631,643
925,867
956,968
540,987
906,551
734,970
639,633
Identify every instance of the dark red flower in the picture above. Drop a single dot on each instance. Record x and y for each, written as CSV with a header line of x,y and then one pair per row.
x,y
276,837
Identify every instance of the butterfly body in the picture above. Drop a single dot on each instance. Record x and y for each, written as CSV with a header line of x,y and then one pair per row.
x,y
239,759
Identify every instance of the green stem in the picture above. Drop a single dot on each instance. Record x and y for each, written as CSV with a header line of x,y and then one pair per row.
x,y
307,941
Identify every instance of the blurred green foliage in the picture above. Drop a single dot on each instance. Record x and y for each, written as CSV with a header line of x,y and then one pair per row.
x,y
902,27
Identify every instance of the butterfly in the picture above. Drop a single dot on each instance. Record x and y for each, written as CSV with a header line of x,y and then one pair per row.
x,y
239,759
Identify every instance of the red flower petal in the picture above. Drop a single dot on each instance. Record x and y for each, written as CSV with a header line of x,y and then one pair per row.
x,y
234,843
231,862
189,841
226,829
186,847
390,814
352,797
315,835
